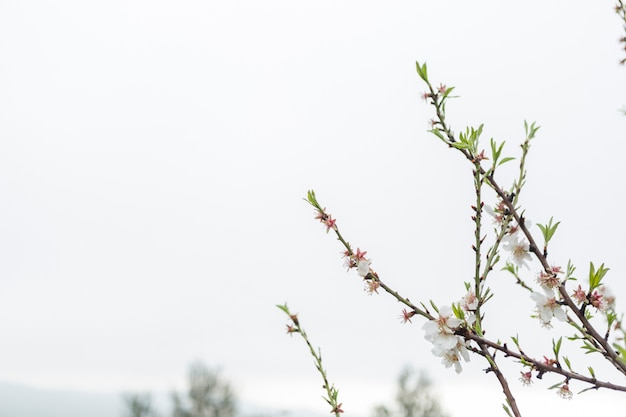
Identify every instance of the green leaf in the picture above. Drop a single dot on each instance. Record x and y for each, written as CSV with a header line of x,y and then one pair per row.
x,y
548,230
310,197
567,362
458,311
591,372
595,276
530,130
505,160
515,340
438,133
589,348
556,347
421,71
460,145
284,308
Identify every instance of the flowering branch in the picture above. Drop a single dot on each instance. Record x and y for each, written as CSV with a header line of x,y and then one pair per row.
x,y
331,391
360,262
456,330
453,327
469,148
542,366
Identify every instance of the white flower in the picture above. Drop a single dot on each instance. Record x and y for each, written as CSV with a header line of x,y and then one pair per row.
x,y
445,324
363,268
450,357
447,345
439,338
548,307
518,248
470,301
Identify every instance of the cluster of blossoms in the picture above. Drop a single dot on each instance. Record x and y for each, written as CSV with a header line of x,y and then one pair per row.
x,y
357,260
513,242
362,264
602,298
352,260
447,345
326,219
547,304
498,212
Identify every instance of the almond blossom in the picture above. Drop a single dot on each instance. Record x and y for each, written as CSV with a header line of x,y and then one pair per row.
x,y
363,267
548,307
469,303
564,392
440,332
452,357
526,378
518,249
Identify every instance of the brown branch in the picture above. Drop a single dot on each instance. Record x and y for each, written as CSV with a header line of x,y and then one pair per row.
x,y
541,366
493,367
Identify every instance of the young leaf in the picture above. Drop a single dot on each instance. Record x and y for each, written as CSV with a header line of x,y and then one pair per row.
x,y
421,71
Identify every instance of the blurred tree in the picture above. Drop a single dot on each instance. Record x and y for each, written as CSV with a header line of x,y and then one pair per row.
x,y
208,395
139,405
413,398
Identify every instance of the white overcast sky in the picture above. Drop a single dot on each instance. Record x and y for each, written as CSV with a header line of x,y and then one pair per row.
x,y
154,156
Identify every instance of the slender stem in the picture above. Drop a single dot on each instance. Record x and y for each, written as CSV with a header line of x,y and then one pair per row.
x,y
510,399
331,391
541,366
478,183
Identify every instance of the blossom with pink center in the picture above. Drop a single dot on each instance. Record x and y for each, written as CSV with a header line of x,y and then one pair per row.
x,y
440,332
321,215
330,223
518,249
354,260
548,307
597,300
371,286
564,392
469,301
525,378
452,357
579,295
548,280
360,255
349,263
406,315
497,213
